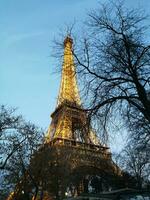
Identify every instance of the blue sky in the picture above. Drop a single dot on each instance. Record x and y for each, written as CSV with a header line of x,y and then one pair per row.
x,y
27,29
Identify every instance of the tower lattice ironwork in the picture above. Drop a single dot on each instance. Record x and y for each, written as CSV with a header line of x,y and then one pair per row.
x,y
69,120
71,146
70,129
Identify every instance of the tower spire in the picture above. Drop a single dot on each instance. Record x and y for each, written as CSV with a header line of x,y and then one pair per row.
x,y
68,91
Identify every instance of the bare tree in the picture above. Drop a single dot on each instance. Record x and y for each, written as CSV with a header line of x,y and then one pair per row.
x,y
18,141
15,133
7,119
137,163
114,62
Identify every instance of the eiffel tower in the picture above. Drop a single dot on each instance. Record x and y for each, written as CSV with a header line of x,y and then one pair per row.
x,y
70,131
69,120
72,151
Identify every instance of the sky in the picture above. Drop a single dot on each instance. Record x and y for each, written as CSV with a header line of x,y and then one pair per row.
x,y
27,30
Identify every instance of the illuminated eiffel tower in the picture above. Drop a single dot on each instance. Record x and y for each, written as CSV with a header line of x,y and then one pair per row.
x,y
70,143
70,130
69,120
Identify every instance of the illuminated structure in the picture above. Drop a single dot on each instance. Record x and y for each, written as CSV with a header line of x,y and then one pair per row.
x,y
70,142
69,120
70,129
